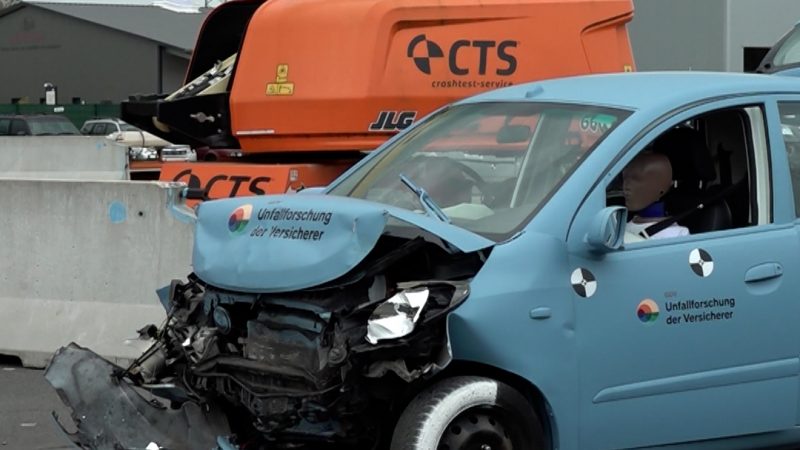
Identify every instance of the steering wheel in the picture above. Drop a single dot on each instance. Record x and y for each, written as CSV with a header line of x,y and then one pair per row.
x,y
446,180
445,165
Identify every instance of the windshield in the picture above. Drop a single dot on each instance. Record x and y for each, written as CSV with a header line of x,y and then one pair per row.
x,y
127,127
41,126
487,166
789,51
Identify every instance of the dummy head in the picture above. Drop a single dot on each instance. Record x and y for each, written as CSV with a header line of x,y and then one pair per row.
x,y
646,179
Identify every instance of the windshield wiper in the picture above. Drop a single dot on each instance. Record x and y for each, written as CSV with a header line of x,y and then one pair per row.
x,y
431,208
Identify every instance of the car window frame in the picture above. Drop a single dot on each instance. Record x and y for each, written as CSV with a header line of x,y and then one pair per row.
x,y
784,182
760,178
596,198
769,58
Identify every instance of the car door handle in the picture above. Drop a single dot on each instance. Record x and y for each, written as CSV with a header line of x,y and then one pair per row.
x,y
761,272
541,313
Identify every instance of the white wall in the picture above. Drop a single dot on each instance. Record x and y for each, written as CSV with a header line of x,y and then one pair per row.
x,y
81,261
678,35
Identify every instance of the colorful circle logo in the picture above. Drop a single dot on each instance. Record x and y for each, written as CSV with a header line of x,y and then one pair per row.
x,y
239,218
647,311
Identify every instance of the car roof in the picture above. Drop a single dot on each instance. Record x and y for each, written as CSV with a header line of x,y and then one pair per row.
x,y
32,116
643,90
106,119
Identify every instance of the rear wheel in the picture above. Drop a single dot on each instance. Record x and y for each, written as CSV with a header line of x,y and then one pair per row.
x,y
468,413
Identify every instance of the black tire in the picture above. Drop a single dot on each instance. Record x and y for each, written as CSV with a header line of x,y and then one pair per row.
x,y
463,412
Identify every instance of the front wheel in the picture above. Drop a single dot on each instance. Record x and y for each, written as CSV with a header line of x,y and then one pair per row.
x,y
468,413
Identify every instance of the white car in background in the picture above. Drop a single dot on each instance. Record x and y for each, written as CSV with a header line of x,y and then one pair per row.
x,y
143,145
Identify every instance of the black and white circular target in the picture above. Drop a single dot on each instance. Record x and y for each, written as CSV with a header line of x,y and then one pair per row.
x,y
701,262
583,282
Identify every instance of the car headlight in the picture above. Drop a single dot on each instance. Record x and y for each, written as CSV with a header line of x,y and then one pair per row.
x,y
397,316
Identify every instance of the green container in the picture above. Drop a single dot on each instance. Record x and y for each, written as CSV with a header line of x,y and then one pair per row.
x,y
77,114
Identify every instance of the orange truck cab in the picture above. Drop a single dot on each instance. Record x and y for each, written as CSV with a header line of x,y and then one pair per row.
x,y
306,85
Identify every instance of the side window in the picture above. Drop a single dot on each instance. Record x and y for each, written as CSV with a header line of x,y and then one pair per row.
x,y
5,125
707,174
18,128
790,129
99,129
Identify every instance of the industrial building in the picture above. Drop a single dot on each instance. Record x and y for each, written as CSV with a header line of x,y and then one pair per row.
x,y
93,53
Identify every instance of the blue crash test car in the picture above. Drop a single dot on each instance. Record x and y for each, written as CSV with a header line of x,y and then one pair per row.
x,y
598,262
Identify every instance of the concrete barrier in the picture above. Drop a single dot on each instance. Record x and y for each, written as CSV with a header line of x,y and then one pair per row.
x,y
80,261
63,158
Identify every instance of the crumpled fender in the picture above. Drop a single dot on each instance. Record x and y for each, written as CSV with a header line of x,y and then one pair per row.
x,y
111,414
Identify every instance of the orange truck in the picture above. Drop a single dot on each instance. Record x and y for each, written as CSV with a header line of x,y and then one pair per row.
x,y
294,91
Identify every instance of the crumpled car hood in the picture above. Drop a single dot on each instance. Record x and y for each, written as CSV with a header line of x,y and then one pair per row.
x,y
288,242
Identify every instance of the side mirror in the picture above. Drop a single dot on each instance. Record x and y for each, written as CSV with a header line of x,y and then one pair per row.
x,y
195,194
311,190
607,230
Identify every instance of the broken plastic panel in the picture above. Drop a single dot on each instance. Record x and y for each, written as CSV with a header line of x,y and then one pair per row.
x,y
397,316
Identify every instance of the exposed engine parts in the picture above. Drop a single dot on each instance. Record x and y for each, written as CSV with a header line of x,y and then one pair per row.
x,y
322,366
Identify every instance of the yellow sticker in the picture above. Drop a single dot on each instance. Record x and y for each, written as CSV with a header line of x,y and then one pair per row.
x,y
280,89
628,68
281,86
282,73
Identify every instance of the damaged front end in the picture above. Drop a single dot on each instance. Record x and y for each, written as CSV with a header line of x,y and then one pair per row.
x,y
329,365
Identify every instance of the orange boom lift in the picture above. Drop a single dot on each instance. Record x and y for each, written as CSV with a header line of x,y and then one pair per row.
x,y
294,91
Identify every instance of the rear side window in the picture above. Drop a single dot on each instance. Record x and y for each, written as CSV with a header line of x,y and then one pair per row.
x,y
5,125
790,130
18,128
52,126
103,129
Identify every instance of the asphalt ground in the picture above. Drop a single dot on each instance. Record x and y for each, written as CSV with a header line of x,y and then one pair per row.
x,y
26,403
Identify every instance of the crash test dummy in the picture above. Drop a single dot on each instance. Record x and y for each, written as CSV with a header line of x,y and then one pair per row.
x,y
645,180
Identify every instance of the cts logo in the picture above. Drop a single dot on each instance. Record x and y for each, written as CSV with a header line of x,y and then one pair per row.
x,y
421,50
239,218
254,185
422,59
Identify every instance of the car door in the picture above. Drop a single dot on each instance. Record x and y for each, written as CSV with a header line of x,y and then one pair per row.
x,y
694,337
